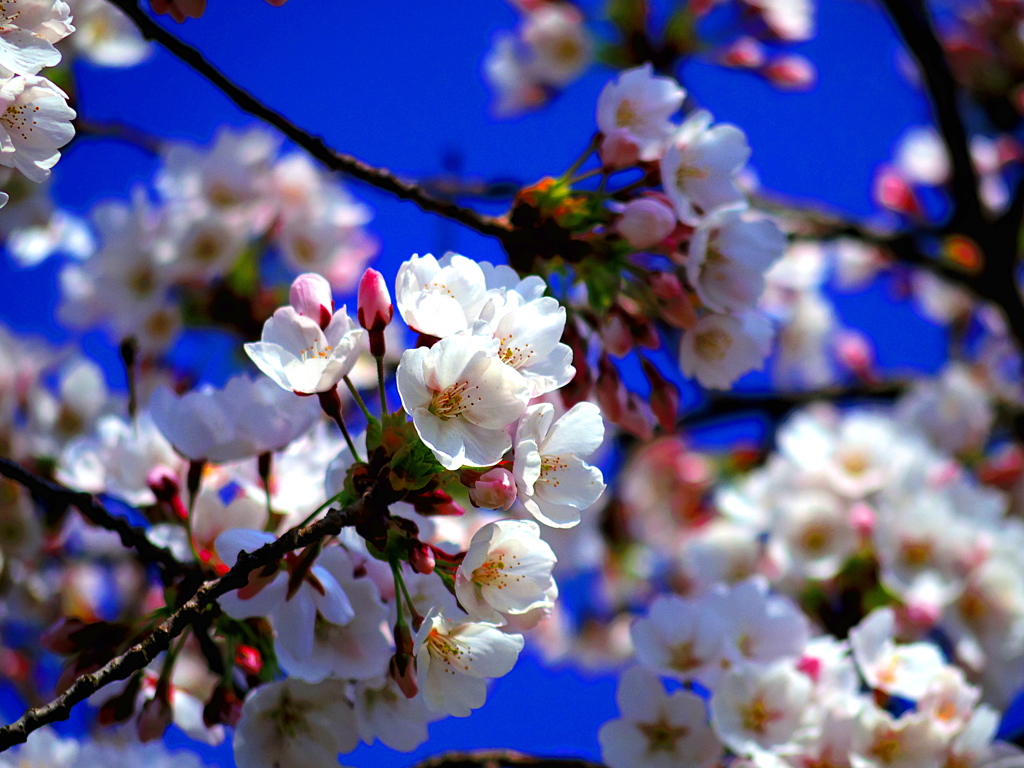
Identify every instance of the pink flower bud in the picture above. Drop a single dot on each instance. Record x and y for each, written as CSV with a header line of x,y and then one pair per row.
x,y
375,309
810,666
156,715
743,53
893,192
615,336
422,560
619,149
664,397
862,518
676,306
436,502
496,489
402,670
310,296
163,481
611,394
645,222
791,72
854,351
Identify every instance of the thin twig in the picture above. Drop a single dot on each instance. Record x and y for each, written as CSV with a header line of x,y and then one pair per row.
x,y
381,178
52,493
139,656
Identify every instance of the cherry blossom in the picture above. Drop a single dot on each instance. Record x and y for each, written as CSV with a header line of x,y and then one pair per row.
x,y
643,104
555,484
454,660
507,570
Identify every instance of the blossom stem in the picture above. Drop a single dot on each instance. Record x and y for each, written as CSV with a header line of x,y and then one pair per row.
x,y
193,481
129,352
265,464
358,398
331,405
309,518
380,386
582,158
586,175
417,620
399,588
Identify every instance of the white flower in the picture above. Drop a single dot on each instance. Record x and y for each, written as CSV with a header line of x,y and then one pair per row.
x,y
440,298
106,37
683,639
507,570
952,411
699,167
245,418
453,661
529,333
28,30
560,46
318,596
812,535
35,121
292,724
117,459
554,482
949,700
655,729
760,626
44,749
355,649
904,670
880,741
461,398
758,707
721,348
642,103
728,258
384,713
300,356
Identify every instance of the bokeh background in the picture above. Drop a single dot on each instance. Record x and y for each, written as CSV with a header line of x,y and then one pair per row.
x,y
400,85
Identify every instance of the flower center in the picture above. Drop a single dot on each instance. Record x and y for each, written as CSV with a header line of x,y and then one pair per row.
x,y
757,717
713,344
661,736
685,172
625,115
314,351
450,402
450,651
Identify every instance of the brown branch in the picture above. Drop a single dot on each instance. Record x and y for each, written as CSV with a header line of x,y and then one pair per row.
x,y
503,759
381,178
723,405
53,493
140,655
915,27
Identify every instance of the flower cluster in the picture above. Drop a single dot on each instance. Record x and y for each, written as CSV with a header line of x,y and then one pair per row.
x,y
779,697
160,266
35,120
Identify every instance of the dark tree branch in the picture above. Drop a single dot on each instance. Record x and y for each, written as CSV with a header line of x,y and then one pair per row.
x,y
381,178
915,27
723,405
140,655
57,495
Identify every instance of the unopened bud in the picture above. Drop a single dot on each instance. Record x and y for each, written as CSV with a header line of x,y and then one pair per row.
x,y
163,481
855,353
645,222
792,72
893,192
615,336
60,638
664,397
375,309
619,149
578,389
743,53
402,670
496,489
224,707
611,394
421,558
636,418
156,715
676,306
436,503
311,297
248,659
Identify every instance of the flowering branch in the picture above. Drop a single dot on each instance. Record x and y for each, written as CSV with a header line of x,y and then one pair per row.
x,y
55,494
140,655
381,178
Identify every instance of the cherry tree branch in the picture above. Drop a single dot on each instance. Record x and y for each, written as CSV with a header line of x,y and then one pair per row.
x,y
140,655
381,178
503,759
55,494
